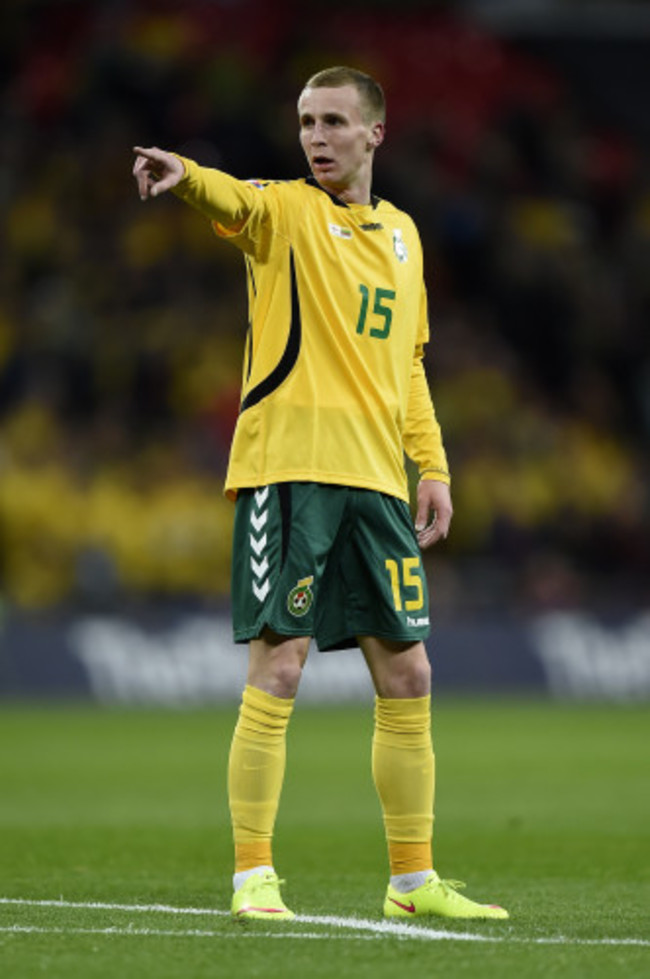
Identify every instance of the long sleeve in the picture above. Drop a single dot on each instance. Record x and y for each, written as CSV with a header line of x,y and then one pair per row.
x,y
422,437
239,210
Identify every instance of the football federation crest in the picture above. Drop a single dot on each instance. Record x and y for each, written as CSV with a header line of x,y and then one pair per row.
x,y
399,246
300,598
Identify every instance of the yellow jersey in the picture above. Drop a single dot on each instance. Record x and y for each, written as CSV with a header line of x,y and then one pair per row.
x,y
333,388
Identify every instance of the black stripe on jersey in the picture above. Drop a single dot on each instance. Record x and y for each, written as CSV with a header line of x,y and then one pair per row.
x,y
251,274
289,355
248,352
334,199
248,355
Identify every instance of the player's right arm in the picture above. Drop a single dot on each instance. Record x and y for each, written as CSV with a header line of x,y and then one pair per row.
x,y
237,209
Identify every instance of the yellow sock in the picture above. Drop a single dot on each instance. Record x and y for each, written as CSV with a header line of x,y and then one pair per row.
x,y
256,774
403,770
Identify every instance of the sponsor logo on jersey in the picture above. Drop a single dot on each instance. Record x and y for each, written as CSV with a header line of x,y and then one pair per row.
x,y
300,598
422,620
373,226
399,246
260,184
339,232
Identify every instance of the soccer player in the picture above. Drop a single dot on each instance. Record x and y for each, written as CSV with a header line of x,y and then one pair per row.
x,y
334,393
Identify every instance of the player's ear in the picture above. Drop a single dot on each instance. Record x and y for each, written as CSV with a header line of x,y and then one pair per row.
x,y
377,133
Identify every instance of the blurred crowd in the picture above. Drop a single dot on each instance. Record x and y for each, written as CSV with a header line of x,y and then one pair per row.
x,y
121,324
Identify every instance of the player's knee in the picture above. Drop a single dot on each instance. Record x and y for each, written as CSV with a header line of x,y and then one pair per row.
x,y
422,680
415,680
284,675
277,667
408,675
278,679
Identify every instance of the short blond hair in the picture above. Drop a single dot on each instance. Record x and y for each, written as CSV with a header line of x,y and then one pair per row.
x,y
371,94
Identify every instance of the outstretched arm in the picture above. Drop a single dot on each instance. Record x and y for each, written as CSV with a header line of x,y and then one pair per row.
x,y
156,171
236,208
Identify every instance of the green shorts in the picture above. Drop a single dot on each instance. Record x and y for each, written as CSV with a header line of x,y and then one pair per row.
x,y
330,562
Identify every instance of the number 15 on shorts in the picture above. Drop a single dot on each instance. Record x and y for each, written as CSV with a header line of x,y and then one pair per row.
x,y
405,580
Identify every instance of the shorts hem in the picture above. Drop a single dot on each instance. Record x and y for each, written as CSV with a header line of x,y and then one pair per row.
x,y
346,641
245,635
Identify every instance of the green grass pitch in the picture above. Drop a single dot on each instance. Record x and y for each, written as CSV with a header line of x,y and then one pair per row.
x,y
115,851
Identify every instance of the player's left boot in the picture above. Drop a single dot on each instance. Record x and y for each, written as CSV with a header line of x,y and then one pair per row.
x,y
438,897
259,898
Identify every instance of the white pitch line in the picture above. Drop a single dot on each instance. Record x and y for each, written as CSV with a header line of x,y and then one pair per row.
x,y
360,925
397,928
105,906
176,933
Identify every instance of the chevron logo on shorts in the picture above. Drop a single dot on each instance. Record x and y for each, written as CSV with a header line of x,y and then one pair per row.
x,y
259,563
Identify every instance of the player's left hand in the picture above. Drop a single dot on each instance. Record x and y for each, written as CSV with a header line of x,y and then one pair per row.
x,y
434,511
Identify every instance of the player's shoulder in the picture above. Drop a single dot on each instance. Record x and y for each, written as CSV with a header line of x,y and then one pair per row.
x,y
400,221
390,210
278,185
293,191
263,184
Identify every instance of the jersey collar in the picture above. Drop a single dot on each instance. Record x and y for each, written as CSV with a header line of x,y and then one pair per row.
x,y
374,201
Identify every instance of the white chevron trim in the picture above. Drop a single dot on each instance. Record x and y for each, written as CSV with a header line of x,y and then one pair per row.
x,y
260,569
261,497
261,591
258,545
259,521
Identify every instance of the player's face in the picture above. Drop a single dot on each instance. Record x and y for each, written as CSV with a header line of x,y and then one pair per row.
x,y
338,141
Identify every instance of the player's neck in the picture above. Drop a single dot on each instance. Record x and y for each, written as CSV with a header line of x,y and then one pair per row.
x,y
355,196
357,192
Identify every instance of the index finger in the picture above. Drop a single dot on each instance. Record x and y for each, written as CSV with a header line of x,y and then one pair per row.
x,y
153,153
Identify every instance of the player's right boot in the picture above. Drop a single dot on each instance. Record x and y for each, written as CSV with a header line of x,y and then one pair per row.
x,y
259,898
438,897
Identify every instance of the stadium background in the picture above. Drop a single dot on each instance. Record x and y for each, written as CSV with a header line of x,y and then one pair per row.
x,y
518,138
